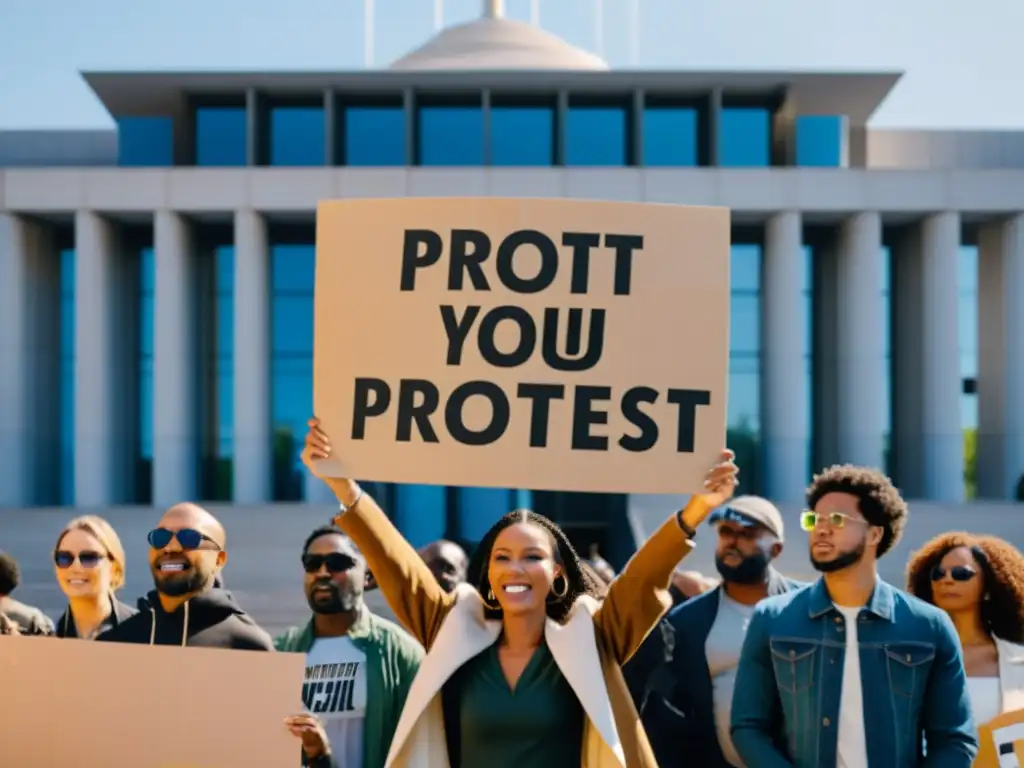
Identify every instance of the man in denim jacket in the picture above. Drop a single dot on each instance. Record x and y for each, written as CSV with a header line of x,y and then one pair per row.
x,y
850,672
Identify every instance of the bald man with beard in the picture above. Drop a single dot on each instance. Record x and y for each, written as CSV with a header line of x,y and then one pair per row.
x,y
187,551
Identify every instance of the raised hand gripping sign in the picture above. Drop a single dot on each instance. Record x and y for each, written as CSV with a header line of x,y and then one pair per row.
x,y
522,343
1001,742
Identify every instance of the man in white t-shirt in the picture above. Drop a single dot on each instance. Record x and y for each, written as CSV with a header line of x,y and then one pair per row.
x,y
358,666
850,672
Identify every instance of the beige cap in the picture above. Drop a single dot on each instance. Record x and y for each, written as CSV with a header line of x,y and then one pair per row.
x,y
751,510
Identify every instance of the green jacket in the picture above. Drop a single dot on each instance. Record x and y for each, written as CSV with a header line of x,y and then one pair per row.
x,y
392,660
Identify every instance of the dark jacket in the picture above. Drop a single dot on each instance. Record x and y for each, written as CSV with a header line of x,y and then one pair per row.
x,y
122,612
679,711
29,620
211,620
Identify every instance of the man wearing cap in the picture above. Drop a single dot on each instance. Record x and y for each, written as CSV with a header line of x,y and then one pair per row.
x,y
688,722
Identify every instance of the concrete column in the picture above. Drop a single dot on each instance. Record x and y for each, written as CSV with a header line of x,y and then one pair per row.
x,y
784,413
859,343
29,364
1000,358
927,434
253,470
176,421
106,375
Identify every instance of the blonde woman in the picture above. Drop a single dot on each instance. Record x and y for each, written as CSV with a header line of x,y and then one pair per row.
x,y
89,561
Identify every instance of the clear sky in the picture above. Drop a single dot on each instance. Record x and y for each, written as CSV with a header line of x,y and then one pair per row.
x,y
963,60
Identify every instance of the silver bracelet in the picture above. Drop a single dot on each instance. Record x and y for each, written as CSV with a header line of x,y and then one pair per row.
x,y
355,501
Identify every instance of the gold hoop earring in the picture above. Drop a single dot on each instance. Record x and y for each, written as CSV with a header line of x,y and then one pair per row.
x,y
560,595
491,601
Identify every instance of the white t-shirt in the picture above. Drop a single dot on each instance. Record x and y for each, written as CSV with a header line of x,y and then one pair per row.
x,y
722,649
852,748
334,689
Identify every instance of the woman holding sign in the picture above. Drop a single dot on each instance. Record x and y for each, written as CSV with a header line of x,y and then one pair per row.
x,y
979,582
523,664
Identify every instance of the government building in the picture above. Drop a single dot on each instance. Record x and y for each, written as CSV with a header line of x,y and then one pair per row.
x,y
156,279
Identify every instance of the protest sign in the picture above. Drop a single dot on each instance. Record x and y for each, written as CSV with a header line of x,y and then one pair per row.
x,y
145,706
1001,741
522,343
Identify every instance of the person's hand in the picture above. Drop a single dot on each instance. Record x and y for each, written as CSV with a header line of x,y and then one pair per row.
x,y
720,483
310,731
8,626
318,446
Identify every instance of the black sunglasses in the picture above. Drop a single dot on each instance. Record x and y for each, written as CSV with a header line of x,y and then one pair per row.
x,y
88,559
188,538
957,572
336,562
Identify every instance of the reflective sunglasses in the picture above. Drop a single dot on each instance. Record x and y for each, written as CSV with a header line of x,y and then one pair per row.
x,y
809,519
957,573
336,562
188,538
87,558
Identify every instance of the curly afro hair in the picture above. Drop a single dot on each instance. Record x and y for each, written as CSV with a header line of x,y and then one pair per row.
x,y
877,498
578,581
1002,568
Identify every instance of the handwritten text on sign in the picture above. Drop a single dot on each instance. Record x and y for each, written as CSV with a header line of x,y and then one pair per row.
x,y
523,341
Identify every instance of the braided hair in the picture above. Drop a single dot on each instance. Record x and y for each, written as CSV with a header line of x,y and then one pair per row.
x,y
577,581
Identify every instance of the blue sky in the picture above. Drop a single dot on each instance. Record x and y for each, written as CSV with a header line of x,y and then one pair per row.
x,y
963,60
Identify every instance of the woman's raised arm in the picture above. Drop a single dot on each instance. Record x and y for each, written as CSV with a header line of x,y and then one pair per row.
x,y
408,585
639,597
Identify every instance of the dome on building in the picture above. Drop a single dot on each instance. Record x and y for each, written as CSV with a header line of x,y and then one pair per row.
x,y
496,43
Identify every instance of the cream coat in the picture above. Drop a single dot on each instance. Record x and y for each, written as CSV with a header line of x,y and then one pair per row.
x,y
589,648
1011,674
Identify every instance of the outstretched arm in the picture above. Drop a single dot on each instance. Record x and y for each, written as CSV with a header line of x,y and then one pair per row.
x,y
408,585
639,596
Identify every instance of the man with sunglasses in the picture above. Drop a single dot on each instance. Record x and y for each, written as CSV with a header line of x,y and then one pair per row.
x,y
694,688
187,551
850,672
359,666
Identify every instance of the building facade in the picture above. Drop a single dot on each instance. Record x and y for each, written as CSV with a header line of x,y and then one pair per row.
x,y
156,282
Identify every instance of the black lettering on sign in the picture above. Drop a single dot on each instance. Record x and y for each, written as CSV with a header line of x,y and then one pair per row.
x,y
564,339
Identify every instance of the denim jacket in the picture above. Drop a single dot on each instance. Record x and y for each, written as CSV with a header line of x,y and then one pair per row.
x,y
790,679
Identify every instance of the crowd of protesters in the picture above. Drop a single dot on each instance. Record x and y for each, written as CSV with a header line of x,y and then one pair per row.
x,y
528,654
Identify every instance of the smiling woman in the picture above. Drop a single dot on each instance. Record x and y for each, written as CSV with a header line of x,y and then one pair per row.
x,y
89,563
521,657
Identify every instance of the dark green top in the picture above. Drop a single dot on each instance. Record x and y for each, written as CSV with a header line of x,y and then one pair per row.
x,y
539,725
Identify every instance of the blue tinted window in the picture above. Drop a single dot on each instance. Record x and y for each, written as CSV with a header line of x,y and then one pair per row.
x,y
145,141
744,137
596,136
819,140
292,279
67,377
522,136
744,402
147,276
221,136
375,136
297,136
670,136
451,136
225,349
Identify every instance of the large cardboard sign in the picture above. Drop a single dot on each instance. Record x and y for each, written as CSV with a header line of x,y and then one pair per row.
x,y
97,705
522,343
1001,741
